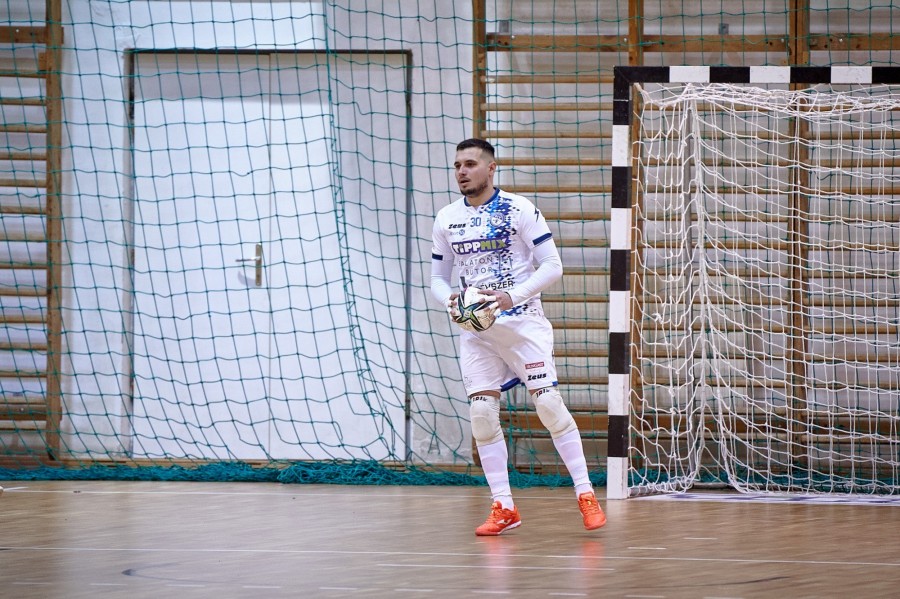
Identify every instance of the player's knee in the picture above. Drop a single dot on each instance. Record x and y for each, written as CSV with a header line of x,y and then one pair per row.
x,y
484,410
553,412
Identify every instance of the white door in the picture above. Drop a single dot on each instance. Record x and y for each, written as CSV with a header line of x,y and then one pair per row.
x,y
234,158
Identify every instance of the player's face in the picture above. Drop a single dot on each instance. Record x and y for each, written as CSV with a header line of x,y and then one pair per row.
x,y
474,173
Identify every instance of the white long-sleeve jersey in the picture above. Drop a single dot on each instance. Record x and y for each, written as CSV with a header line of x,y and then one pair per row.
x,y
495,246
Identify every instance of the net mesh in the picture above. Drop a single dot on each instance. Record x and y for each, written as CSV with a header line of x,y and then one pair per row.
x,y
216,220
769,259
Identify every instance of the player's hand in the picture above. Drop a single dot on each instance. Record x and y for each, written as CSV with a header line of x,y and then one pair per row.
x,y
502,301
452,308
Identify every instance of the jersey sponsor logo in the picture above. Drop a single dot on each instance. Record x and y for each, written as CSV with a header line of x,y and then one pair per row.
x,y
533,365
502,285
456,226
480,245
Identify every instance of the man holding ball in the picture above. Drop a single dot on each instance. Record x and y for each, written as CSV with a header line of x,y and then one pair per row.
x,y
495,239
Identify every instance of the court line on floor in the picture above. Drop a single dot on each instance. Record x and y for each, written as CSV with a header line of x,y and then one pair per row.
x,y
286,492
492,567
798,562
775,498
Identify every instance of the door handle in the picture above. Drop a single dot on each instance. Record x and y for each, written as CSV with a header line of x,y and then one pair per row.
x,y
257,262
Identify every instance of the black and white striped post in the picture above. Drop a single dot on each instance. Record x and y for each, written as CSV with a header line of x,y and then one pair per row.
x,y
620,299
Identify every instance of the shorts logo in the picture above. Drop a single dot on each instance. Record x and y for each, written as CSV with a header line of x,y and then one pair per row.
x,y
534,365
535,377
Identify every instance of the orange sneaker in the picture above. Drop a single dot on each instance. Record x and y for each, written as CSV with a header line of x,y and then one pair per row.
x,y
499,521
594,517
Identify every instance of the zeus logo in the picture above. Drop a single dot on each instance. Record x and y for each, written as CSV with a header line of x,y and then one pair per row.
x,y
480,245
534,377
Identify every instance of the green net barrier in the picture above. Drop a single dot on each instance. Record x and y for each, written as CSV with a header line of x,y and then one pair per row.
x,y
217,228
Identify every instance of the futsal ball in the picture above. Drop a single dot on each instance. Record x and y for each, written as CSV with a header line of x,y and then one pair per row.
x,y
475,311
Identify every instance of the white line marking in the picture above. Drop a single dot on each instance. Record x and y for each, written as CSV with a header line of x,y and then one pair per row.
x,y
260,586
567,594
490,592
338,588
487,567
29,583
413,590
185,585
284,490
645,596
479,555
650,548
872,500
107,584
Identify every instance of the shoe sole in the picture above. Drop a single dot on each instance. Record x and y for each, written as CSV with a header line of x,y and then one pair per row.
x,y
497,534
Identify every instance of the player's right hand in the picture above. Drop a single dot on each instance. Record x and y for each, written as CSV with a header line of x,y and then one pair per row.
x,y
452,308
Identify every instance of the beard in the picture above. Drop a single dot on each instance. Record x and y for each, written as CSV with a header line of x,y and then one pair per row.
x,y
475,191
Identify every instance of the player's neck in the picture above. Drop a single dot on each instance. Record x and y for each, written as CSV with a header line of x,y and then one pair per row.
x,y
482,198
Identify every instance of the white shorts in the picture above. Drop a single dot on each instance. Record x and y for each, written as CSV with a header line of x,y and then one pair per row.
x,y
517,349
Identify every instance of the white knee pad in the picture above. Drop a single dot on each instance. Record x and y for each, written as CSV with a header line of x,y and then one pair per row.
x,y
553,413
484,410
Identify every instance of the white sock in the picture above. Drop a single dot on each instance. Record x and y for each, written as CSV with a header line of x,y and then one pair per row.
x,y
572,453
494,460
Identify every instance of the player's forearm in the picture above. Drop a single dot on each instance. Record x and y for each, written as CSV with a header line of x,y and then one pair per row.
x,y
440,280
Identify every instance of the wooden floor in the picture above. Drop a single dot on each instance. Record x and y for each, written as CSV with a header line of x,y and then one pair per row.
x,y
223,540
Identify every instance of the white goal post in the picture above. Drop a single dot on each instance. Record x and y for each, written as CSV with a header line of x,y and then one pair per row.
x,y
754,325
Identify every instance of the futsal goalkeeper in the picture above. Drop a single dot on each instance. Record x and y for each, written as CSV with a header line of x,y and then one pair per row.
x,y
494,239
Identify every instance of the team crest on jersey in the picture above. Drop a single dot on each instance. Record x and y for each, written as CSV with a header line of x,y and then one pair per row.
x,y
498,220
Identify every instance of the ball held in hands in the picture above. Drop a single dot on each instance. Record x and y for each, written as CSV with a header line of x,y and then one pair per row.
x,y
472,310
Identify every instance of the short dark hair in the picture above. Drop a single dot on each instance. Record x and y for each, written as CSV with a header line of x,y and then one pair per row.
x,y
474,142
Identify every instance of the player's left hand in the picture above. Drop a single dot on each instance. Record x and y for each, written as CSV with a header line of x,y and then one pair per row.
x,y
502,301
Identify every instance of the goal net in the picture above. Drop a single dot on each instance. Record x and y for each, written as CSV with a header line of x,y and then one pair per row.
x,y
765,290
